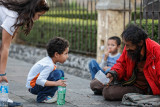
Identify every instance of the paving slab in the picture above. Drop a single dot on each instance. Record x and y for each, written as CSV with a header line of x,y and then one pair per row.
x,y
78,91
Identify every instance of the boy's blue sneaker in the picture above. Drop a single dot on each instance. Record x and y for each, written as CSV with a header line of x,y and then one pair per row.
x,y
49,99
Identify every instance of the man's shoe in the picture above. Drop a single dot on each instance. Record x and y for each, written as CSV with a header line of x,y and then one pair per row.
x,y
15,104
97,92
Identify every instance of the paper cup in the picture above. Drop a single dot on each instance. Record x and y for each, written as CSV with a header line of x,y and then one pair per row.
x,y
100,76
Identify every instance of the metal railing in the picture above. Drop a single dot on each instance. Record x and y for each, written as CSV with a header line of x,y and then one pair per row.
x,y
75,20
146,14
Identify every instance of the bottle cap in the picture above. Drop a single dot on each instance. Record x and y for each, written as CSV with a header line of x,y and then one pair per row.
x,y
62,78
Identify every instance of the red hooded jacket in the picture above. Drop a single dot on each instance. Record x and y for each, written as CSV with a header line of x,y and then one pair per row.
x,y
125,66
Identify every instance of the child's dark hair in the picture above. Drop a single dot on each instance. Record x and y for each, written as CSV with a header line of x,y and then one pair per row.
x,y
58,45
117,39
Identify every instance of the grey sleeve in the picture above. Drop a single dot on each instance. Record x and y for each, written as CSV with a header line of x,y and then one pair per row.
x,y
103,63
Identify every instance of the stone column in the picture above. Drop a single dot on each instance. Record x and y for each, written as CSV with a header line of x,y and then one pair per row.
x,y
110,22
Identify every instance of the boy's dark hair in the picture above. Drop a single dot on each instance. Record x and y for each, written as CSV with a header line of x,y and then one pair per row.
x,y
134,34
117,39
58,45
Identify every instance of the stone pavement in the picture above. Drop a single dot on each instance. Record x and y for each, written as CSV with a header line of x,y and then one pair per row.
x,y
78,91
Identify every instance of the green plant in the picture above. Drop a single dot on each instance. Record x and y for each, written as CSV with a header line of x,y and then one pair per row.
x,y
81,35
138,15
63,20
77,13
148,28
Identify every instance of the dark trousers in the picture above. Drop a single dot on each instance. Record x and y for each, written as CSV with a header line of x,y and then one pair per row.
x,y
43,92
113,92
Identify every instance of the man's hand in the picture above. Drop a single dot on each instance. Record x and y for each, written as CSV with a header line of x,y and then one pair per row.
x,y
61,83
109,75
3,78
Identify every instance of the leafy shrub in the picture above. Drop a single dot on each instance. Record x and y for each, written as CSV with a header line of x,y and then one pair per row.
x,y
149,28
80,14
81,35
137,15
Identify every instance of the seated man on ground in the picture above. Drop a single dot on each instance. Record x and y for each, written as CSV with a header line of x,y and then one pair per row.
x,y
137,69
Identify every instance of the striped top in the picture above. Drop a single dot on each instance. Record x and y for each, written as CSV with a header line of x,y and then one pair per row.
x,y
40,71
111,60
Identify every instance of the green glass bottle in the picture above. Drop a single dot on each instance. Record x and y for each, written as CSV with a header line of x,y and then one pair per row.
x,y
61,94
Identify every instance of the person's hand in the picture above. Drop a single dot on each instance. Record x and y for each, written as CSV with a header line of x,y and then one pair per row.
x,y
109,75
61,83
106,54
105,68
3,78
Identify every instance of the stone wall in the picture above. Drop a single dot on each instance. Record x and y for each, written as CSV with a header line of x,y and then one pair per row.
x,y
76,64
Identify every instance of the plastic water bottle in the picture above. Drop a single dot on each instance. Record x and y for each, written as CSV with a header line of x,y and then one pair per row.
x,y
61,94
3,94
